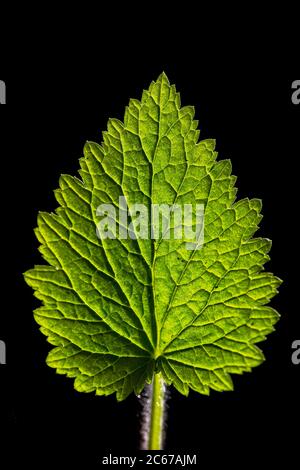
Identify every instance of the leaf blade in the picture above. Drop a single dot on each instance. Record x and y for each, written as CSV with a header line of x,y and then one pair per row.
x,y
119,309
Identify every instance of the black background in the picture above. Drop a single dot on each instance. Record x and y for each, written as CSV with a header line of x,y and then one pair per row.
x,y
52,109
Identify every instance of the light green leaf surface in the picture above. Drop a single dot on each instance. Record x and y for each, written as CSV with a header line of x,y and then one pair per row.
x,y
118,310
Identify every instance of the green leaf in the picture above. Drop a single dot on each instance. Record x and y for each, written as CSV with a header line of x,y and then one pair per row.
x,y
118,310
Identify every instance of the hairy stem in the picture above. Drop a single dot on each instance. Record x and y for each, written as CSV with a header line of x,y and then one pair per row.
x,y
157,405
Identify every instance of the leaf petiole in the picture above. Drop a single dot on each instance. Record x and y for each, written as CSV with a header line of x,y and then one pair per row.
x,y
157,405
